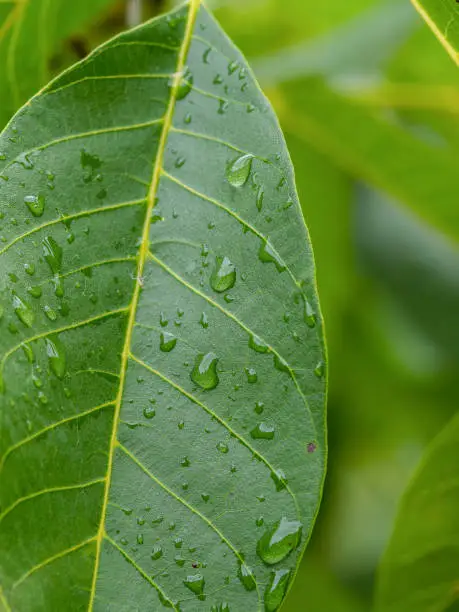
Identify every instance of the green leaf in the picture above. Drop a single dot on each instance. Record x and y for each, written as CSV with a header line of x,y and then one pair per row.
x,y
443,19
162,435
421,176
343,53
419,570
30,32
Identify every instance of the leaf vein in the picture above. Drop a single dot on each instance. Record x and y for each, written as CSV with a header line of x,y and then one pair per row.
x,y
42,492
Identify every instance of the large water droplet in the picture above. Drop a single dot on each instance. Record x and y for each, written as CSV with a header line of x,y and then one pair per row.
x,y
196,584
276,589
56,356
268,254
89,163
239,170
23,311
224,275
204,372
246,577
280,479
279,541
262,431
36,204
167,342
53,254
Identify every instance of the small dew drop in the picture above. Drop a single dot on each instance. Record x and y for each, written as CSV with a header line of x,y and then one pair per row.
x,y
262,431
184,84
196,584
251,374
56,356
246,577
23,311
167,342
224,275
222,447
156,553
36,204
238,171
53,254
204,372
267,254
149,412
257,344
319,370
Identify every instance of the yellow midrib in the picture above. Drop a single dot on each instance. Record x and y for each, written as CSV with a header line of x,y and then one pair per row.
x,y
454,53
143,255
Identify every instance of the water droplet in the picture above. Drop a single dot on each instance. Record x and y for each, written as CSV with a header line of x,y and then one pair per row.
x,y
280,364
187,118
279,541
218,79
232,67
139,538
23,311
319,370
222,107
204,372
205,497
196,584
221,607
24,161
179,560
30,269
163,321
56,356
36,204
184,85
246,577
89,163
280,479
276,589
156,553
50,313
222,447
251,374
260,196
180,161
267,254
259,407
167,342
251,108
149,412
309,314
28,352
204,321
262,432
205,55
257,344
239,170
35,291
260,521
224,275
185,462
53,254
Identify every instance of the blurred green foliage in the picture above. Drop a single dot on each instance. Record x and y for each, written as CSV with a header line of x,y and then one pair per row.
x,y
369,102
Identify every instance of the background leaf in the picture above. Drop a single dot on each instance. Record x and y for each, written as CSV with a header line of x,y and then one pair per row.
x,y
163,363
30,32
419,568
443,19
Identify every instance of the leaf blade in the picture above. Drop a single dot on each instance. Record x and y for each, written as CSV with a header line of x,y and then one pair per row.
x,y
95,170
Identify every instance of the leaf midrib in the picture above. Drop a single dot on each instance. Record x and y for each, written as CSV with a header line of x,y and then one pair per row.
x,y
194,6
